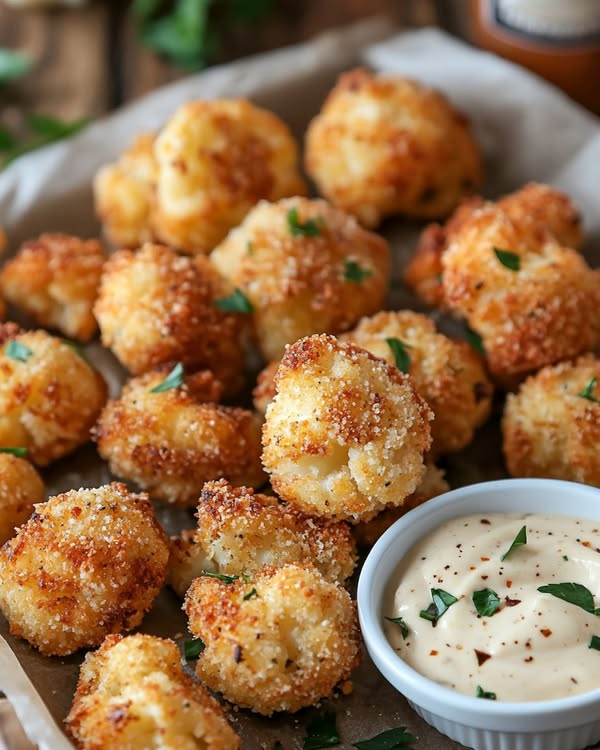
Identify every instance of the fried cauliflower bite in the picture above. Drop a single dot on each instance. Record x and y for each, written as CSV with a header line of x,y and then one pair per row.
x,y
215,160
133,694
20,487
239,531
88,563
346,432
551,426
54,279
279,640
447,373
264,391
385,145
306,268
49,395
155,306
124,194
171,442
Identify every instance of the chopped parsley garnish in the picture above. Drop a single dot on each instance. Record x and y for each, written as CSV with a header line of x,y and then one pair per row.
x,y
475,340
17,351
595,642
20,452
518,541
572,593
509,259
192,649
235,303
401,356
355,273
486,601
250,248
322,732
441,601
250,594
391,739
173,380
589,390
481,693
565,557
219,576
400,623
309,228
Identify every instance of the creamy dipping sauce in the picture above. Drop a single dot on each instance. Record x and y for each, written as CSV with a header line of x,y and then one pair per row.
x,y
535,646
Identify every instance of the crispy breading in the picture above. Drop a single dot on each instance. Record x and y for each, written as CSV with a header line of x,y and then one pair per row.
x,y
155,306
264,391
49,395
133,694
171,442
278,640
385,145
215,160
551,427
87,563
306,268
20,487
346,432
55,279
446,372
239,531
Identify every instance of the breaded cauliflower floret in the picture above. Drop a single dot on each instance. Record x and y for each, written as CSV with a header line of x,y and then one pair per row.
x,y
215,160
551,427
133,694
49,395
55,280
123,193
385,145
276,641
306,268
346,433
239,531
170,442
155,306
264,391
86,564
447,373
20,487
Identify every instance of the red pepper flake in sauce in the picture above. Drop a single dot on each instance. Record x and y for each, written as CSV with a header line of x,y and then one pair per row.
x,y
528,660
508,584
511,602
485,520
433,652
546,632
482,657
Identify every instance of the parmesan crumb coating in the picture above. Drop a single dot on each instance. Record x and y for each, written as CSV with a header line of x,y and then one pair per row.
x,y
447,373
215,160
88,563
133,694
49,395
239,531
385,145
551,427
20,487
294,261
171,442
54,279
264,391
155,306
279,640
346,432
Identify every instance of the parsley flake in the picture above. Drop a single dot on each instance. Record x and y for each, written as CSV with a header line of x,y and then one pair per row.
x,y
508,259
400,623
391,739
589,390
441,601
192,649
20,452
250,248
235,303
518,541
486,601
309,228
475,340
250,594
220,576
401,356
595,642
173,380
572,593
17,351
322,732
355,273
481,693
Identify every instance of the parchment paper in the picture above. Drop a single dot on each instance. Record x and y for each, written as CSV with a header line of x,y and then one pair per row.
x,y
529,131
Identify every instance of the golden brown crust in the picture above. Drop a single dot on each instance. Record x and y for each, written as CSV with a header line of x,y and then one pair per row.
x,y
54,279
133,690
20,487
282,648
86,564
264,391
384,145
170,443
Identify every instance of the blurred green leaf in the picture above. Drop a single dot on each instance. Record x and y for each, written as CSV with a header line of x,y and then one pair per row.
x,y
44,130
147,8
13,65
7,139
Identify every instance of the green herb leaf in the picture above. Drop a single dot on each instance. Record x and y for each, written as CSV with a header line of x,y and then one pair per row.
x,y
235,303
145,9
219,576
7,139
572,593
486,601
250,248
193,649
173,380
322,732
250,594
45,130
565,557
518,541
20,452
400,623
475,340
481,693
13,65
353,272
401,356
310,228
589,390
595,642
509,259
441,601
391,739
17,351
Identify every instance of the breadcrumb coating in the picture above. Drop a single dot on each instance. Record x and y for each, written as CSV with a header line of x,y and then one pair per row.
x,y
306,268
239,531
155,306
171,442
54,279
215,160
346,432
88,562
133,694
551,427
385,145
264,391
49,395
20,487
279,640
447,373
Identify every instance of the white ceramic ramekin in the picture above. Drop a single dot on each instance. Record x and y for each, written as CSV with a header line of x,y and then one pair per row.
x,y
566,724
